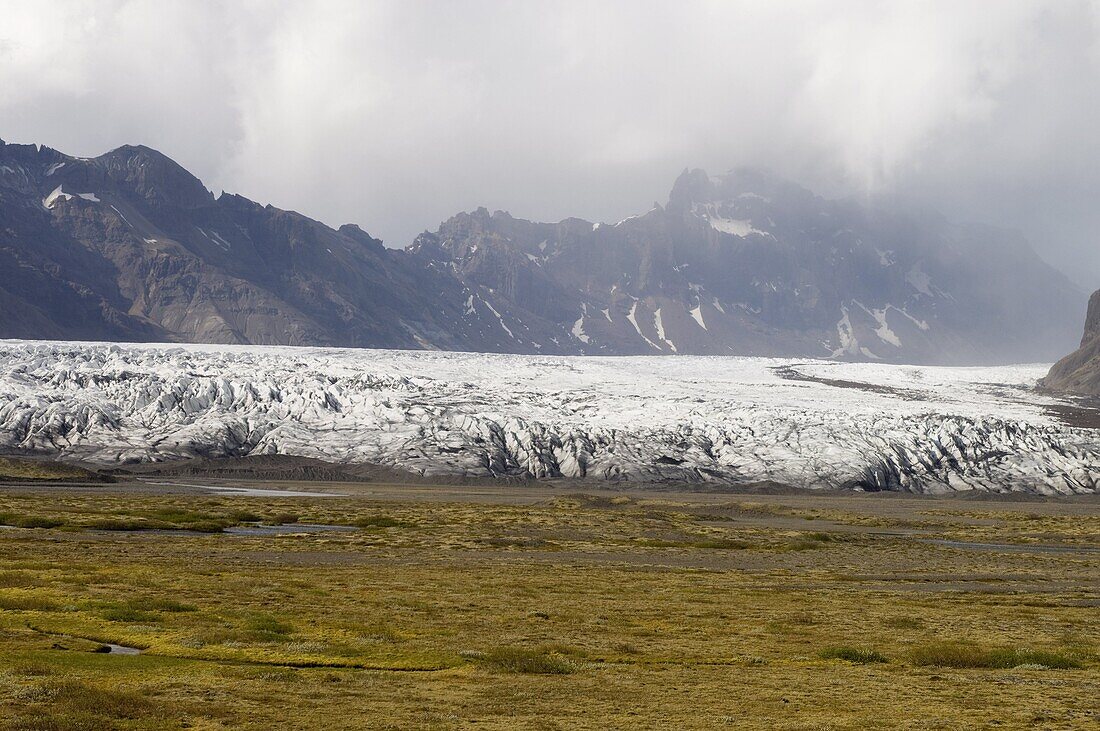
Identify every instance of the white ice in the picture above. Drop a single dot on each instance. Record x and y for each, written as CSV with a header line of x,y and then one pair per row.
x,y
646,419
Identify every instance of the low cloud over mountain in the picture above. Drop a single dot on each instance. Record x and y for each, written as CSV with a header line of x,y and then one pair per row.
x,y
130,246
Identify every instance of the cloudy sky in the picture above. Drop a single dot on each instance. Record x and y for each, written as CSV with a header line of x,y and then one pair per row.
x,y
395,115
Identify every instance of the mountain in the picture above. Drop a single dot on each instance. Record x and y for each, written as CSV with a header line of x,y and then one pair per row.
x,y
130,246
749,264
1079,372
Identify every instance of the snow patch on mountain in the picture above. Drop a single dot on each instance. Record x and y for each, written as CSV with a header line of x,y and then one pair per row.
x,y
56,195
697,315
883,331
718,218
122,217
849,342
845,335
634,321
659,324
214,238
59,194
737,227
578,326
500,319
919,323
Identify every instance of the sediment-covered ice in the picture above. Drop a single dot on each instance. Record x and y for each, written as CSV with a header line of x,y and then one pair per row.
x,y
649,419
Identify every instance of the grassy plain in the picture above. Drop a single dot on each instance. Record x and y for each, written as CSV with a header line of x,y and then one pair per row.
x,y
534,608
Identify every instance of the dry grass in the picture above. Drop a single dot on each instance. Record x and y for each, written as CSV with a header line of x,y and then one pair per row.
x,y
12,468
73,705
377,521
579,613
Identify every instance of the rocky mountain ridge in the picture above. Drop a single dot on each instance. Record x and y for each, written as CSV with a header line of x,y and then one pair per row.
x,y
129,246
745,264
1079,372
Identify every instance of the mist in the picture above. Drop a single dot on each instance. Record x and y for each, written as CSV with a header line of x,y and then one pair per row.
x,y
395,115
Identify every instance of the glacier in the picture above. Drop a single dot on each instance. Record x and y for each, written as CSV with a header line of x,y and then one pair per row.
x,y
646,419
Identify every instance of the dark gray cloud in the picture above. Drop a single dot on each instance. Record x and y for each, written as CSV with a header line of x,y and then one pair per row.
x,y
397,114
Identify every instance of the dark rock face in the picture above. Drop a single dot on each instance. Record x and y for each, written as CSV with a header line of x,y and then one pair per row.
x,y
747,264
1079,372
130,246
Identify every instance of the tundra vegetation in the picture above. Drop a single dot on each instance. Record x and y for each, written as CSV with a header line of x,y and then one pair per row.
x,y
543,611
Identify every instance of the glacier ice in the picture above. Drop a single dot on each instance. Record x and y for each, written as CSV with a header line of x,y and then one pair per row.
x,y
816,424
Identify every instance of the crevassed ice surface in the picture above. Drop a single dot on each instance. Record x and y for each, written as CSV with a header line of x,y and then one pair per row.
x,y
649,419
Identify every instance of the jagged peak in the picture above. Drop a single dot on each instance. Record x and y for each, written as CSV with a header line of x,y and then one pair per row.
x,y
236,200
427,245
139,155
129,150
352,229
691,185
23,152
425,238
355,233
1092,318
154,176
696,186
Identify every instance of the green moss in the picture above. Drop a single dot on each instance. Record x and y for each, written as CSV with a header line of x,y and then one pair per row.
x,y
160,604
30,521
963,656
282,519
377,521
126,613
861,656
73,704
267,626
528,661
124,524
27,603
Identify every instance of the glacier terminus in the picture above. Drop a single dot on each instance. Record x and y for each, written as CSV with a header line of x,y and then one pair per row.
x,y
696,419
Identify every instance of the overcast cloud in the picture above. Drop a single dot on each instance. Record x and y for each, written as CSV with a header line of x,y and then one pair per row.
x,y
395,115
